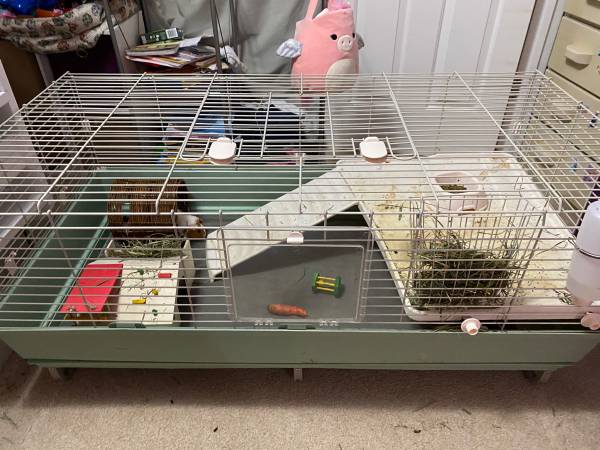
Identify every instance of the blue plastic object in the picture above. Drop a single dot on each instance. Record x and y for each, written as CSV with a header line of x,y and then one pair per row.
x,y
27,7
47,4
23,7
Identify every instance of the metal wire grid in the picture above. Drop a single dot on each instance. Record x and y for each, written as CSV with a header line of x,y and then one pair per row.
x,y
474,259
87,130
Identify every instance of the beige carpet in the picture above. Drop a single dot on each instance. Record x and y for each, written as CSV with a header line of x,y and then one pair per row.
x,y
330,409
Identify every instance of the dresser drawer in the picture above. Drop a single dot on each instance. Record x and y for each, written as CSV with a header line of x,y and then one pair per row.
x,y
576,124
564,165
590,101
584,9
575,54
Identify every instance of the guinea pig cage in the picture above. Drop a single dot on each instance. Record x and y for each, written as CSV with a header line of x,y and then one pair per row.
x,y
372,221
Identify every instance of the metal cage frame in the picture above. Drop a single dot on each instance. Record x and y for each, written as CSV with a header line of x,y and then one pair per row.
x,y
300,176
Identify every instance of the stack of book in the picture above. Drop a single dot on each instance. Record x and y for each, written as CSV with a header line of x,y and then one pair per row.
x,y
173,54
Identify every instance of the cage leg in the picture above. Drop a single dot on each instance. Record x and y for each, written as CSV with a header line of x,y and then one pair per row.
x,y
538,376
298,374
61,373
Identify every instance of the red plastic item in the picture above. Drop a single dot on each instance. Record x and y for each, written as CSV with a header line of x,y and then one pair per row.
x,y
47,13
164,275
96,283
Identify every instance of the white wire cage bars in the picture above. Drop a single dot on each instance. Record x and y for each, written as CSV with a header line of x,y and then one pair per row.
x,y
471,212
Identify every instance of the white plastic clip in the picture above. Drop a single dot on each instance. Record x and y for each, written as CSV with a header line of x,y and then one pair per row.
x,y
295,238
373,150
222,151
470,326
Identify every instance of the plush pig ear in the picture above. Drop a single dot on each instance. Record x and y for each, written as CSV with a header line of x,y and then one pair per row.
x,y
290,49
360,41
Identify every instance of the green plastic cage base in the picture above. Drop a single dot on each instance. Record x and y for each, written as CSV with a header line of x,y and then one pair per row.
x,y
204,348
38,338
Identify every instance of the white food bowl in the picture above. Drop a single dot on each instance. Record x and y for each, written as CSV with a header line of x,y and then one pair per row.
x,y
472,198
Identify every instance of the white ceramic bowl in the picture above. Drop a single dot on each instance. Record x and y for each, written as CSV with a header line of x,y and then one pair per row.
x,y
472,198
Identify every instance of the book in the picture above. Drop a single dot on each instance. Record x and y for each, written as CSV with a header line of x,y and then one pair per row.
x,y
154,49
162,35
181,59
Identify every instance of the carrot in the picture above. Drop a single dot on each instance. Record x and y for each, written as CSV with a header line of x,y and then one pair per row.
x,y
287,310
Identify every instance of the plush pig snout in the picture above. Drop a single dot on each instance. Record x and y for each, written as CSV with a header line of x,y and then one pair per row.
x,y
345,43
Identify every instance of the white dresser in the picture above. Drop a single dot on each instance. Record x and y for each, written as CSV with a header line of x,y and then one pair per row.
x,y
574,65
575,59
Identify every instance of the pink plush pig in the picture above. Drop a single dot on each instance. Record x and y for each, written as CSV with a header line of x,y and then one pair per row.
x,y
324,46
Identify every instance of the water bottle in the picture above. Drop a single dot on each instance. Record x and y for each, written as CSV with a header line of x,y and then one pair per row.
x,y
583,280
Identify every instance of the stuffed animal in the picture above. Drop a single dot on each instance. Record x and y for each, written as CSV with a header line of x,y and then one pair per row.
x,y
323,46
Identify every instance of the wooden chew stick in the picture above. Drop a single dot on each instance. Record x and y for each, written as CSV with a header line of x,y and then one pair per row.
x,y
287,310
